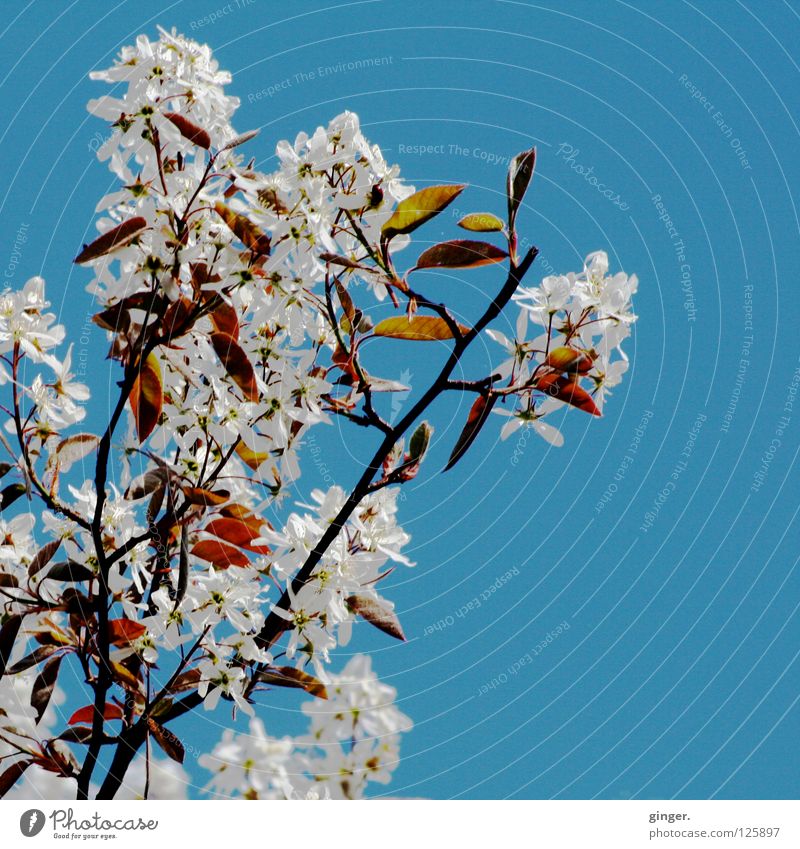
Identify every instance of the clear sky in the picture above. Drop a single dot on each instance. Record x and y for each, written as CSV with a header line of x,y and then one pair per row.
x,y
641,638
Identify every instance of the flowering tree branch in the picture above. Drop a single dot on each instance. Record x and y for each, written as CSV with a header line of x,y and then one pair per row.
x,y
237,306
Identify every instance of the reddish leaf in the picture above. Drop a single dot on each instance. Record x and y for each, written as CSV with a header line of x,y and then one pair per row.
x,y
8,634
44,685
419,208
121,631
86,714
189,130
568,391
377,613
419,328
205,497
239,532
12,775
288,676
116,238
478,414
225,319
562,358
168,742
461,253
236,363
147,397
244,230
43,556
220,554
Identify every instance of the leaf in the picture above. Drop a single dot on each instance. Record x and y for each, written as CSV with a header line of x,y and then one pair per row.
x,y
189,130
419,208
112,240
238,532
460,253
244,137
36,656
478,414
562,358
481,222
253,459
568,391
288,676
8,634
43,686
244,230
10,494
225,319
12,775
43,556
377,613
520,173
205,497
418,328
168,742
147,397
186,681
220,554
346,301
125,677
381,384
183,569
236,363
144,485
86,714
75,448
69,570
419,442
5,468
121,631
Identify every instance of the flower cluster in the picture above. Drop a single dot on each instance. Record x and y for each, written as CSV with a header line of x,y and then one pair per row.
x,y
586,317
353,739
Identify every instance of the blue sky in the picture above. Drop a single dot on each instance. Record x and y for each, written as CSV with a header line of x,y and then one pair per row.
x,y
664,535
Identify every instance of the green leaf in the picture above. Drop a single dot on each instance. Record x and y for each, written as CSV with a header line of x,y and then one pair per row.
x,y
481,222
461,253
419,442
520,173
419,208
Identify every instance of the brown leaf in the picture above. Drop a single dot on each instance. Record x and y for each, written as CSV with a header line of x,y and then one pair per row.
x,y
239,532
43,556
569,391
225,319
186,681
69,570
114,239
377,613
236,363
168,742
478,415
189,130
520,173
86,714
121,631
253,459
419,208
147,397
418,328
12,775
10,494
44,685
205,497
245,231
288,676
461,253
220,554
75,448
8,634
36,656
